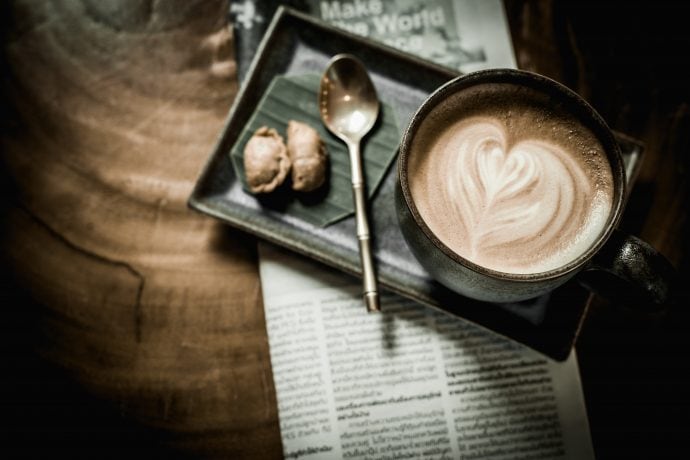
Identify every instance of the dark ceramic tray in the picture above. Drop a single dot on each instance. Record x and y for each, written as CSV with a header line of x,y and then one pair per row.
x,y
294,44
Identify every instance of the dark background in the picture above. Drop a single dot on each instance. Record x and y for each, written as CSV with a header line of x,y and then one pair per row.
x,y
627,58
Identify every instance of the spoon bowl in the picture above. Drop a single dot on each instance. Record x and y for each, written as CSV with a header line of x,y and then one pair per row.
x,y
349,108
347,99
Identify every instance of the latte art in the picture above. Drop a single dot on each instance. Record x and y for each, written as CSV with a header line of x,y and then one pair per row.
x,y
516,204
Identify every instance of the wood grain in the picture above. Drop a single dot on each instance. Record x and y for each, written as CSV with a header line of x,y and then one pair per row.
x,y
151,308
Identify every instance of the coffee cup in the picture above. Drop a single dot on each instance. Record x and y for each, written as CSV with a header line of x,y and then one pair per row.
x,y
510,184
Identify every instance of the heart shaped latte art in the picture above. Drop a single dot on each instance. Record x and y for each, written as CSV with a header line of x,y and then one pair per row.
x,y
525,208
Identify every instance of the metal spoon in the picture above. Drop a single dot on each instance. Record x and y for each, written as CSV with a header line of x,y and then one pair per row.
x,y
349,107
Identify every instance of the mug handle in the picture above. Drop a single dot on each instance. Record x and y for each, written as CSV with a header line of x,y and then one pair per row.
x,y
631,271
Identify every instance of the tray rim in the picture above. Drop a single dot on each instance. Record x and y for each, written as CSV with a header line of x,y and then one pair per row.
x,y
197,202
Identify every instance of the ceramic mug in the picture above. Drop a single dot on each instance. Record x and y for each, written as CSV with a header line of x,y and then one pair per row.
x,y
467,148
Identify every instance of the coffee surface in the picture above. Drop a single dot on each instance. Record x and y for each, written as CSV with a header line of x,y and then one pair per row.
x,y
506,178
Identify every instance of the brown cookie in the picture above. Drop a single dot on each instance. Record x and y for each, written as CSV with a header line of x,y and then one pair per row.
x,y
266,162
308,156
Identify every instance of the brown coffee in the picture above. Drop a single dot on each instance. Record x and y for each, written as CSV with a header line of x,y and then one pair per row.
x,y
509,180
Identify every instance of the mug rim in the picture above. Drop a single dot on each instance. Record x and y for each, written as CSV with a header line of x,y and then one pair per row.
x,y
586,114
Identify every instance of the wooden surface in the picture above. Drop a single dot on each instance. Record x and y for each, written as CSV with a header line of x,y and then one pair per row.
x,y
134,325
151,311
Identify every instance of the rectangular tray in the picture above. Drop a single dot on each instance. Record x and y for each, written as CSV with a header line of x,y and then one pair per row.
x,y
296,43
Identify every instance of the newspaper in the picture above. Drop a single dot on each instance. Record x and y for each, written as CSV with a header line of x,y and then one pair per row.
x,y
466,35
410,382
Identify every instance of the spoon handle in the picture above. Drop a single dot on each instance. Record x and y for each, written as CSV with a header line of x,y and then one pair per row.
x,y
371,295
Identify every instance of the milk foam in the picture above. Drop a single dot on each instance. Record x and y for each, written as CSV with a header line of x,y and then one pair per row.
x,y
513,203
